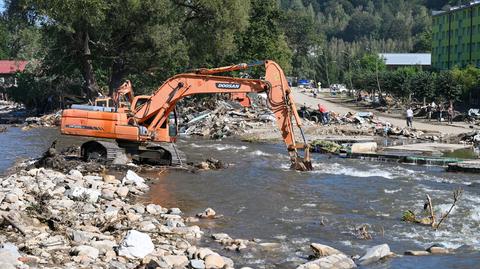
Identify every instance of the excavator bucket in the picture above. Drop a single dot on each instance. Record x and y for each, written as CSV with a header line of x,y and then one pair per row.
x,y
301,163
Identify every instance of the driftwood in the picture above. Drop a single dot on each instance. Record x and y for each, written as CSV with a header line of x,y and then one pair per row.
x,y
10,219
431,220
456,196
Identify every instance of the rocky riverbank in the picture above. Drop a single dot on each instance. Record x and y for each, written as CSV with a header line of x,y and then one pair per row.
x,y
92,220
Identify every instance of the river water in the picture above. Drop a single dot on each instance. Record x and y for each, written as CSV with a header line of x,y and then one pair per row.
x,y
259,197
16,144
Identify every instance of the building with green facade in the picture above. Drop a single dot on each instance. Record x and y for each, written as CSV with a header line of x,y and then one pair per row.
x,y
456,37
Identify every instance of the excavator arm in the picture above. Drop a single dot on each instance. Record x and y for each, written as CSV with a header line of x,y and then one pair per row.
x,y
154,112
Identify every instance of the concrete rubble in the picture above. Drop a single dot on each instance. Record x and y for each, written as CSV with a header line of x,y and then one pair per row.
x,y
85,219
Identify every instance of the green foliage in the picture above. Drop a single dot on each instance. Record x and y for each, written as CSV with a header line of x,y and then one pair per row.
x,y
265,23
448,88
423,85
81,46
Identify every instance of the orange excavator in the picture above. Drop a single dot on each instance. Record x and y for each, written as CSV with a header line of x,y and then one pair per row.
x,y
143,129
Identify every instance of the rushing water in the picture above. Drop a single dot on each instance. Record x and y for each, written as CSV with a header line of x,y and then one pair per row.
x,y
16,144
261,198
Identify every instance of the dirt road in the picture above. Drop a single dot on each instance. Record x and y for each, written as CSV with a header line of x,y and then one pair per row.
x,y
303,98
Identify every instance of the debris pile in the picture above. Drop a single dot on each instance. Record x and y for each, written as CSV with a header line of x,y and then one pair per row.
x,y
218,118
362,123
47,120
75,219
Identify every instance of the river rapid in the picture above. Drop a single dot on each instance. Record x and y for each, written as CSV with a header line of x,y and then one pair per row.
x,y
259,197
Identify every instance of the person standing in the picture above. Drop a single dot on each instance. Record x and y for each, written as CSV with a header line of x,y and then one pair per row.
x,y
450,114
409,117
324,114
440,110
429,112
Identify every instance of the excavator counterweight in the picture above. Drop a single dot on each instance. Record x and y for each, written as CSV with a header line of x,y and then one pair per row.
x,y
144,129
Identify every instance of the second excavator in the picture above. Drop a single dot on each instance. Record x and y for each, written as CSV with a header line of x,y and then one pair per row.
x,y
141,129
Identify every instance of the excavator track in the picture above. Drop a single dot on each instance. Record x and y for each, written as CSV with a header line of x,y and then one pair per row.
x,y
154,153
97,150
178,157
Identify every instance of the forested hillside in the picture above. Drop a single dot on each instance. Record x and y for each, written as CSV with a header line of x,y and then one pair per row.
x,y
86,46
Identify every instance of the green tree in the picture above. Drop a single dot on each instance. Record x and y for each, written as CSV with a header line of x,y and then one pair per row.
x,y
362,24
447,87
423,85
71,26
210,28
264,39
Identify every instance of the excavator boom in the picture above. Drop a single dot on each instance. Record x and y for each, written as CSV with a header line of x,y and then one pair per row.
x,y
148,121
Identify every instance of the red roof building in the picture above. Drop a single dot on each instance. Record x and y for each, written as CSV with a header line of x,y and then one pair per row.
x,y
11,67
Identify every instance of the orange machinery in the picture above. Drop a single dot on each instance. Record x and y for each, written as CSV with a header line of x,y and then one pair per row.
x,y
142,130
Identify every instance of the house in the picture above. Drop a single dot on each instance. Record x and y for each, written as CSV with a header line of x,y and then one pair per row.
x,y
397,60
7,75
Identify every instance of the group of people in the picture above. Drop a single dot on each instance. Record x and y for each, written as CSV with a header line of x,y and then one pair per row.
x,y
431,108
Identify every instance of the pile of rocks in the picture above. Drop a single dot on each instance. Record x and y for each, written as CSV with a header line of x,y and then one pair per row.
x,y
55,219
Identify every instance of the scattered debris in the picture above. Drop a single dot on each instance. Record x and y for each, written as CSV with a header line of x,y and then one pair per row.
x,y
209,164
219,117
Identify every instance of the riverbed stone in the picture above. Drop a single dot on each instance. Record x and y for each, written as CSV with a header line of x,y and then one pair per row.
x,y
417,253
136,245
122,191
214,261
321,250
176,260
197,264
11,198
9,255
108,194
81,193
85,250
221,236
437,250
174,211
374,254
146,226
75,174
335,261
103,246
207,213
204,252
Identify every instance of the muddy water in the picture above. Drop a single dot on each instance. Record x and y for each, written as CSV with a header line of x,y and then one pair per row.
x,y
260,198
16,144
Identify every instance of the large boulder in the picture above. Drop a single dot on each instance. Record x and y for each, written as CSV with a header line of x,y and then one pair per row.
x,y
335,261
321,250
136,245
374,254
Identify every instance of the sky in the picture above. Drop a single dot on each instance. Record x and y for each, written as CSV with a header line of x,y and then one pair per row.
x,y
2,2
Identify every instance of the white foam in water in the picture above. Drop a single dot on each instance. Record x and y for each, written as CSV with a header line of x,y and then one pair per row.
x,y
309,205
475,214
219,147
392,191
337,169
259,153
